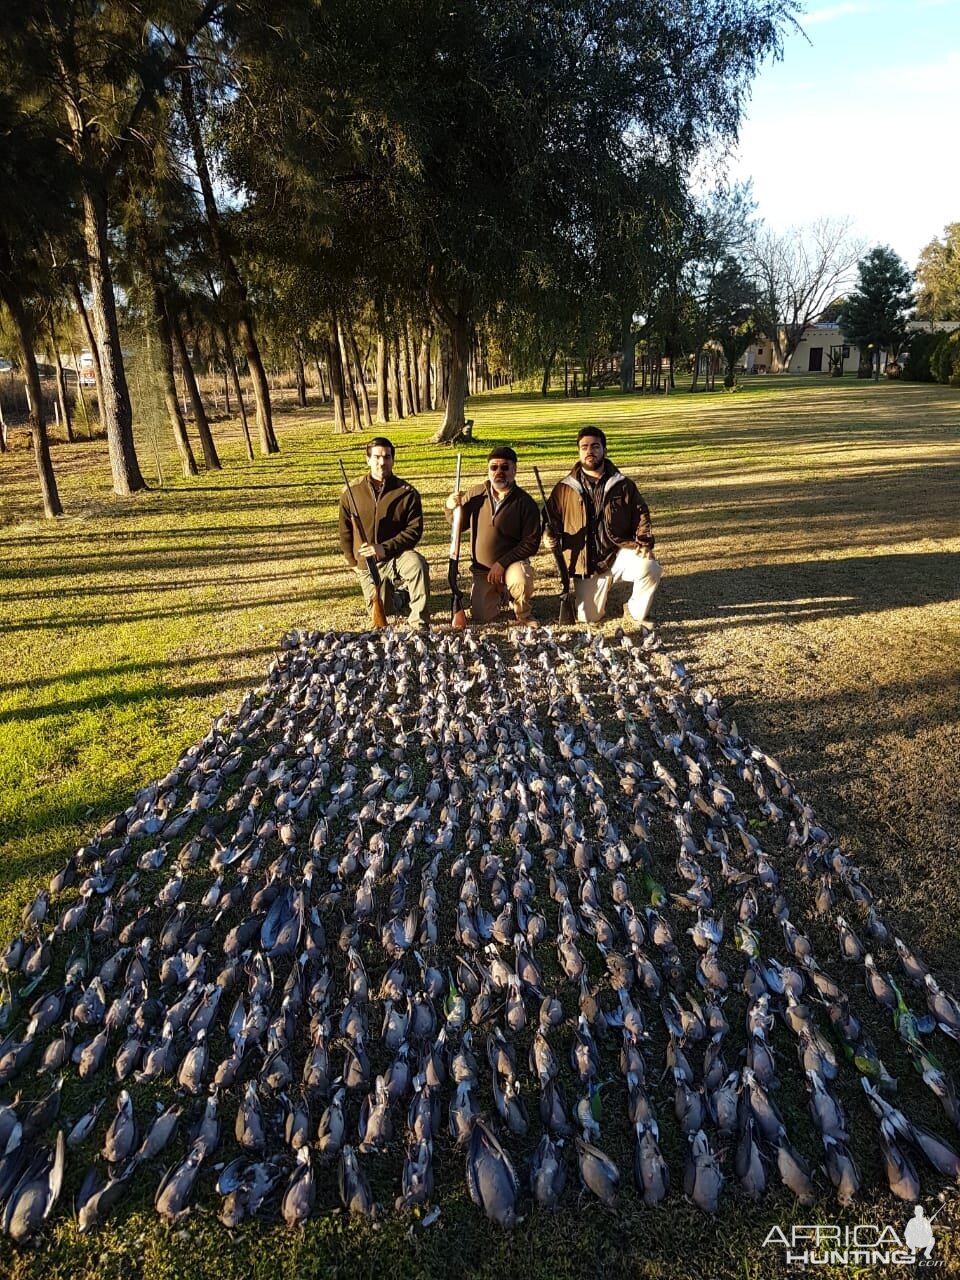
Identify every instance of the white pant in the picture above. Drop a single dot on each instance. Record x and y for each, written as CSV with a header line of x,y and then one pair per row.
x,y
629,566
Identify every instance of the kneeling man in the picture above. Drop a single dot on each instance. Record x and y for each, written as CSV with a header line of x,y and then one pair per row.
x,y
392,517
504,524
606,531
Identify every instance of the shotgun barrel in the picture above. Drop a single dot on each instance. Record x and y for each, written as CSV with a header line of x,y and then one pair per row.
x,y
458,615
568,612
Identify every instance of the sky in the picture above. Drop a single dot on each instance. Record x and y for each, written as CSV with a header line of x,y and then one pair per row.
x,y
860,119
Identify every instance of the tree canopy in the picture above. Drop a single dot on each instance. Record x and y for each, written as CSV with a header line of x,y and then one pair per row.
x,y
938,277
396,169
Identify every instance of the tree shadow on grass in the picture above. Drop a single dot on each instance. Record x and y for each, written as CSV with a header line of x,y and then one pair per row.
x,y
191,609
902,819
158,690
140,668
173,584
811,589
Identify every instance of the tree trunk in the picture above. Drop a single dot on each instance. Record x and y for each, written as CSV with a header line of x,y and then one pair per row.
x,y
321,385
210,455
547,370
94,353
443,355
237,389
61,382
457,320
116,412
696,369
81,399
396,400
335,366
423,368
168,382
258,378
383,405
406,385
348,380
410,362
361,377
234,286
38,427
301,374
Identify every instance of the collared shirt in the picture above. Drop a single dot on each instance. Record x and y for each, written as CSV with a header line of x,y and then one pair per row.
x,y
497,502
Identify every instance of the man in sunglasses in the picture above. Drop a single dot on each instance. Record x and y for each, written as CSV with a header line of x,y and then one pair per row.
x,y
606,531
504,523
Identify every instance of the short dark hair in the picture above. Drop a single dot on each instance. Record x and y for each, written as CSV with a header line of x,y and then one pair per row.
x,y
380,442
595,432
502,451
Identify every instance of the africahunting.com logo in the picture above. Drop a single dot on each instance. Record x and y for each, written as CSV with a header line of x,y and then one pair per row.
x,y
868,1244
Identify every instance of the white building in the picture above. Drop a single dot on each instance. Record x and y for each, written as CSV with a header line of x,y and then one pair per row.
x,y
823,349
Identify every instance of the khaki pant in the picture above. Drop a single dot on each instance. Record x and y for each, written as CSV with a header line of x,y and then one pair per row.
x,y
486,599
629,566
409,568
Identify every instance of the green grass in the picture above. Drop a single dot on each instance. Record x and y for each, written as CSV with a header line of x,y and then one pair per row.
x,y
808,531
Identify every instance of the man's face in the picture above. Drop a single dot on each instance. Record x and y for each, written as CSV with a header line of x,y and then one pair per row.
x,y
502,473
591,452
381,462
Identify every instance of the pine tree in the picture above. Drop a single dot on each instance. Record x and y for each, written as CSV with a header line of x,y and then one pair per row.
x,y
875,315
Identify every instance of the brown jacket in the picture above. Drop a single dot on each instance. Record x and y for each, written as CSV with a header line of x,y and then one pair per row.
x,y
395,519
512,534
624,522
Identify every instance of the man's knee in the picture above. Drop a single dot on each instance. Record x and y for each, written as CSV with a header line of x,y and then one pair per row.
x,y
519,579
654,571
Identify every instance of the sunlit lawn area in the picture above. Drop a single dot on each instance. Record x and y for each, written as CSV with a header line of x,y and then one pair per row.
x,y
810,540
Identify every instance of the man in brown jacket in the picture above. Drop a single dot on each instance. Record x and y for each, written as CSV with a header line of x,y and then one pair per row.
x,y
392,517
606,531
504,523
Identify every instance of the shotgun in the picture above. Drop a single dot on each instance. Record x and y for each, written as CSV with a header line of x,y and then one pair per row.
x,y
457,615
379,614
568,612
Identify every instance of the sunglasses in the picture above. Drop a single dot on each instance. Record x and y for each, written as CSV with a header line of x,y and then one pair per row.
x,y
499,466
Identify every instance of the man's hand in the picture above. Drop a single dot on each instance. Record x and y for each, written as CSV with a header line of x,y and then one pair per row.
x,y
496,574
455,500
549,541
372,550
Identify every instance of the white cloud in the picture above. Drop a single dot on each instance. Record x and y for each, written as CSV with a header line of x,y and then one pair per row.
x,y
833,12
937,78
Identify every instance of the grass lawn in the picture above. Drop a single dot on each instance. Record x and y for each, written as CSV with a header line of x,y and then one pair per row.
x,y
810,540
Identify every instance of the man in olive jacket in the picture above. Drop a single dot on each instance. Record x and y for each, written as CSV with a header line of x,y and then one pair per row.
x,y
392,517
606,531
504,523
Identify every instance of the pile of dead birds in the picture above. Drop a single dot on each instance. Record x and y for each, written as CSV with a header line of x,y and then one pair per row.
x,y
532,899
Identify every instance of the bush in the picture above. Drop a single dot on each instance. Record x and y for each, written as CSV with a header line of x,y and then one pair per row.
x,y
919,363
945,362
